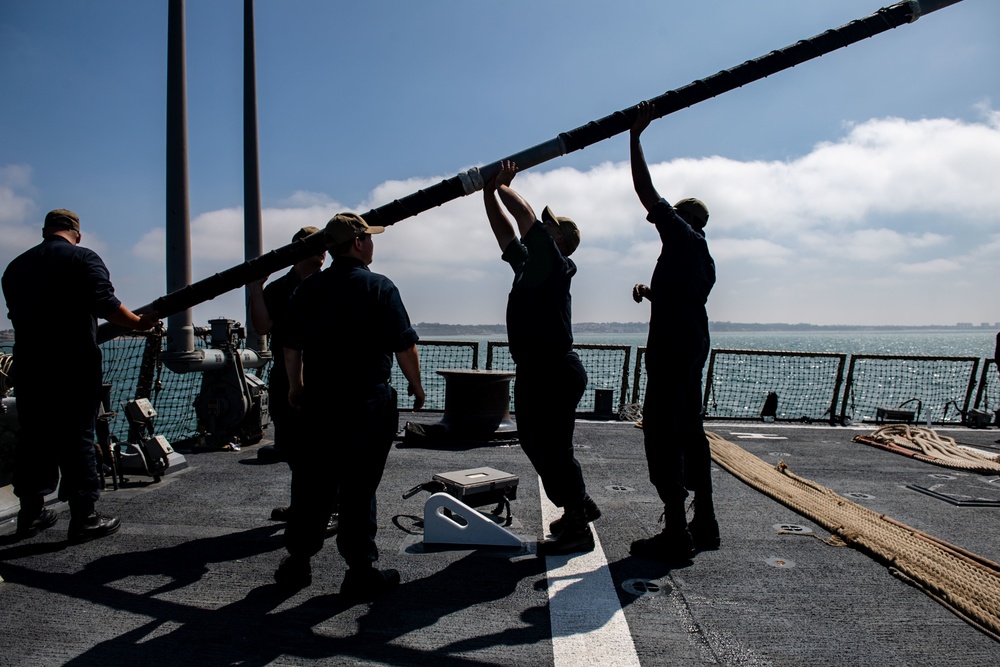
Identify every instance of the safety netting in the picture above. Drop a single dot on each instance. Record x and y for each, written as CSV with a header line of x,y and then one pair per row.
x,y
934,389
775,385
435,355
738,384
133,368
607,371
988,391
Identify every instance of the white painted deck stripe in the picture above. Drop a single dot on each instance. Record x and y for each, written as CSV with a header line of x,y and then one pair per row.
x,y
588,624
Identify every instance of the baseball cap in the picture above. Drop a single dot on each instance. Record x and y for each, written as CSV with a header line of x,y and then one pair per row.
x,y
346,226
694,211
62,218
308,230
567,228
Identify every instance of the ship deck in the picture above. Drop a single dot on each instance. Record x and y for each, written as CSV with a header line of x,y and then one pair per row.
x,y
188,578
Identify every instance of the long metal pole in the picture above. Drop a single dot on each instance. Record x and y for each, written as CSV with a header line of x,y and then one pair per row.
x,y
180,332
472,180
253,239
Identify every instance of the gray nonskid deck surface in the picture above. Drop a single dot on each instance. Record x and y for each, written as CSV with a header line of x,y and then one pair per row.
x,y
188,579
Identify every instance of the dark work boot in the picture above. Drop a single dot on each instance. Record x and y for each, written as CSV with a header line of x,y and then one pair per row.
x,y
591,512
703,527
31,523
705,533
92,526
575,535
293,573
673,544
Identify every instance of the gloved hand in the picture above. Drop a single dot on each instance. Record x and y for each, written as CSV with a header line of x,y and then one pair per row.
x,y
640,291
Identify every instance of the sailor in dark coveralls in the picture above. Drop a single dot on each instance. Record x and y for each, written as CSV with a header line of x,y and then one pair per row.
x,y
269,313
55,292
344,325
550,378
677,450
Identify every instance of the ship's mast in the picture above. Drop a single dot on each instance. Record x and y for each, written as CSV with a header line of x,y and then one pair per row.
x,y
253,239
180,332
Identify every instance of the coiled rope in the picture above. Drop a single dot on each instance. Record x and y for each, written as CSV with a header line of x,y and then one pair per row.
x,y
927,445
965,583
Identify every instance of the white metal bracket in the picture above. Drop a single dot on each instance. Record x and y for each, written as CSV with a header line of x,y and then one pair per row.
x,y
447,520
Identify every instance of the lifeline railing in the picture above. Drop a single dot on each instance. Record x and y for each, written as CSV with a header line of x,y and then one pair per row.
x,y
808,386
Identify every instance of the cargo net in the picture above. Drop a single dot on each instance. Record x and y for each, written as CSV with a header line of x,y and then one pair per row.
x,y
132,370
174,395
631,410
606,365
773,385
498,358
988,393
607,370
434,355
123,369
124,361
909,388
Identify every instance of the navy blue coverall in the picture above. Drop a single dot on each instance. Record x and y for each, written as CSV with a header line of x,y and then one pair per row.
x,y
550,378
55,292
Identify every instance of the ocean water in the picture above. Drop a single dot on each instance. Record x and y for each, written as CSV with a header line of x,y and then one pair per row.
x,y
887,383
959,343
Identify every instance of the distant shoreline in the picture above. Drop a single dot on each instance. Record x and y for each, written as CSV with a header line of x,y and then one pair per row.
x,y
426,329
437,329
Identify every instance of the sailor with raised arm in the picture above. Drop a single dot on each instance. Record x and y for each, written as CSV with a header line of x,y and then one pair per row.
x,y
550,379
677,450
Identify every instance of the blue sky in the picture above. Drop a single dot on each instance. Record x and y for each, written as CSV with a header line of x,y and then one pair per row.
x,y
857,188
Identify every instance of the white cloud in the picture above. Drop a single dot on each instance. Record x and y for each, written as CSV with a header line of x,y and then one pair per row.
x,y
932,267
149,248
756,251
18,228
892,207
15,186
309,199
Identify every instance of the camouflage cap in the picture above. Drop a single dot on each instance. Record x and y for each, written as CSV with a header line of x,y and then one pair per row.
x,y
346,226
694,211
61,218
308,230
567,228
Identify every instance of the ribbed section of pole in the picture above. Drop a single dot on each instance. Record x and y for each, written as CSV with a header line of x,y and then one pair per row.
x,y
922,7
741,75
230,279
